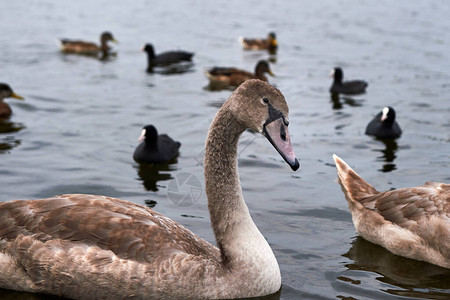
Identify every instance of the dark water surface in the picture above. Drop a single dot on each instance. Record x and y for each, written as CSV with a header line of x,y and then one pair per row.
x,y
77,128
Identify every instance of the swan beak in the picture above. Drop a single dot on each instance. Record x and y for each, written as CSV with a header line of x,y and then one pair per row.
x,y
14,95
142,136
278,135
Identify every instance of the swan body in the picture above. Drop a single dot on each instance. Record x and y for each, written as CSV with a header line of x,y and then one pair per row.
x,y
6,92
411,222
97,247
87,48
384,126
350,87
229,76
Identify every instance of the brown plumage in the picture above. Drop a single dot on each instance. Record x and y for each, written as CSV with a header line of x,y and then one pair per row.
x,y
6,92
270,43
412,222
97,247
88,48
233,77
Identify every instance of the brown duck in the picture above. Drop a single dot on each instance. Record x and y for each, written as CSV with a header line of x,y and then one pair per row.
x,y
6,92
88,48
229,76
270,43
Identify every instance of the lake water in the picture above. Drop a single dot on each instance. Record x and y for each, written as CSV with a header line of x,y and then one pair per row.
x,y
78,126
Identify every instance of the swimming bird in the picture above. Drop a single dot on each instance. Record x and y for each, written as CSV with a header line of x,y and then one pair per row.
x,y
165,58
155,148
229,76
98,247
6,92
350,87
411,222
270,43
384,126
88,48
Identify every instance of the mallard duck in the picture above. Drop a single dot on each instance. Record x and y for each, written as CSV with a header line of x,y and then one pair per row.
x,y
384,126
270,43
97,247
411,222
346,87
229,76
165,58
88,48
6,92
155,148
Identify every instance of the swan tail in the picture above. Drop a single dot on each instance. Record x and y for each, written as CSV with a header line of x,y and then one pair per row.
x,y
354,187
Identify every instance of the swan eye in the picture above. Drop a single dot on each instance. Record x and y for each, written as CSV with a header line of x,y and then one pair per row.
x,y
265,100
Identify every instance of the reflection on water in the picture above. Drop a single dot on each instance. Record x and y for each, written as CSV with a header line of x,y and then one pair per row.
x,y
337,101
178,68
216,104
388,156
150,203
218,86
72,57
7,126
413,278
9,142
272,57
150,174
274,296
109,56
14,295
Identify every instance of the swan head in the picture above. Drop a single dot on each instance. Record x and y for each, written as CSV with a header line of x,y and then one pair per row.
x,y
262,108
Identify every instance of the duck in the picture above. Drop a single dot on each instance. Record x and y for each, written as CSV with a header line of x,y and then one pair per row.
x,y
154,148
351,87
6,92
233,77
384,126
411,222
91,246
165,58
270,43
88,48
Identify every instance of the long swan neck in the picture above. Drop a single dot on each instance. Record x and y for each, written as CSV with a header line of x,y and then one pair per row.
x,y
221,173
238,238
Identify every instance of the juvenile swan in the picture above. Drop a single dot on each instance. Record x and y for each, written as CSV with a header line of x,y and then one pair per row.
x,y
412,222
97,247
